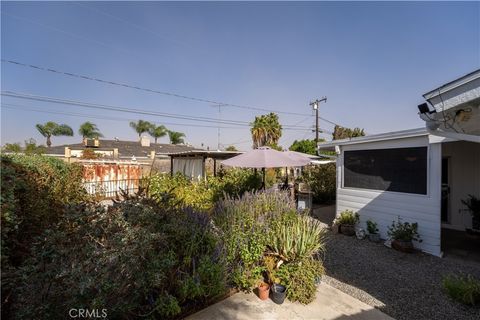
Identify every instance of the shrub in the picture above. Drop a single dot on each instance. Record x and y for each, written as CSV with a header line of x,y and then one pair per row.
x,y
34,190
322,181
137,259
301,278
347,217
404,231
266,238
464,289
234,182
183,192
372,227
243,225
202,195
295,237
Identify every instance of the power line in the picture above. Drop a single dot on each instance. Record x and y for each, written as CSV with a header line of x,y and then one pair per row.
x,y
131,110
155,91
26,108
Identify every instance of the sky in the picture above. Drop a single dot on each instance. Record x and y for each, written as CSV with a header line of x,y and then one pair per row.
x,y
372,60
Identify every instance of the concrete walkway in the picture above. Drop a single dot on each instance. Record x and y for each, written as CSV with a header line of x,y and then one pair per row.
x,y
329,304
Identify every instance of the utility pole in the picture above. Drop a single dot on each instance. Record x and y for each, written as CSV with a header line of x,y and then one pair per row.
x,y
219,106
315,105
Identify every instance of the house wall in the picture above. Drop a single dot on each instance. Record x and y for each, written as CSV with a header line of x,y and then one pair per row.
x,y
464,179
385,206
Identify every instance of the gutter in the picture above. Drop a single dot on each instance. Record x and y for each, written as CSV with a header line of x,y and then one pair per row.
x,y
454,135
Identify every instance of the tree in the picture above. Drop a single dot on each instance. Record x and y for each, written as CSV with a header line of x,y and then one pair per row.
x,y
51,128
343,133
32,148
176,137
12,147
266,130
305,146
89,130
231,148
140,127
157,131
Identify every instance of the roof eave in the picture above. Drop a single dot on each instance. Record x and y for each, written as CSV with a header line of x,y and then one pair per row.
x,y
376,137
452,85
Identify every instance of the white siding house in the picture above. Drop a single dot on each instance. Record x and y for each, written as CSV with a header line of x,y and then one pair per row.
x,y
419,175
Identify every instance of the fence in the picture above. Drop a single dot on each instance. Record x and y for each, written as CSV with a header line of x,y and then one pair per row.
x,y
112,188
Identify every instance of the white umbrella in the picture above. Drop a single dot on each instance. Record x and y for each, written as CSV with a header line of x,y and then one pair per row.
x,y
265,157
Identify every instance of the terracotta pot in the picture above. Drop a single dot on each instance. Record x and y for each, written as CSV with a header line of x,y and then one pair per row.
x,y
347,229
403,246
263,291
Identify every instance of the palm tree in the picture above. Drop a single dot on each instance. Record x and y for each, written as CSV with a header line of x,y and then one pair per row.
x,y
266,130
157,132
141,126
89,130
175,137
51,128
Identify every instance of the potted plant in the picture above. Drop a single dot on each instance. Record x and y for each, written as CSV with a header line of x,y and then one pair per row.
x,y
275,273
263,290
403,235
473,205
372,231
347,221
279,293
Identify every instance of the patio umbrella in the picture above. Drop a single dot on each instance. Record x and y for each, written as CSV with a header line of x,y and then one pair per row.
x,y
299,156
264,157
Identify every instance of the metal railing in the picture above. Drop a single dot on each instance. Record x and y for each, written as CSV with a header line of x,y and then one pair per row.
x,y
112,188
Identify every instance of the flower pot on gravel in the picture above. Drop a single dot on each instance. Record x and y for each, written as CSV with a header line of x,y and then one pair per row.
x,y
403,245
263,291
347,229
374,237
278,293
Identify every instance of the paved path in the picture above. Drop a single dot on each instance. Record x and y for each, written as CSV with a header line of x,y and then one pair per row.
x,y
330,304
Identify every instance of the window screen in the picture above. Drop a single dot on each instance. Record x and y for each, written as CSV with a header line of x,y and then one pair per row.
x,y
400,170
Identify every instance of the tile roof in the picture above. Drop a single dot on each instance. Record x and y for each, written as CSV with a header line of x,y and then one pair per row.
x,y
126,148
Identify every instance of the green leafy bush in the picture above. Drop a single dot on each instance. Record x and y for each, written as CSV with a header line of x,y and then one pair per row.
x,y
404,231
322,181
301,278
347,217
464,289
202,195
137,259
372,227
183,192
234,182
34,190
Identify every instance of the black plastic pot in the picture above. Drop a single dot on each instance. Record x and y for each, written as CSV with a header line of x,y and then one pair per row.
x,y
278,293
347,229
374,237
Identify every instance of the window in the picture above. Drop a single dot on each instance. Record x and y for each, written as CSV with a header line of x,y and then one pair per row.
x,y
399,170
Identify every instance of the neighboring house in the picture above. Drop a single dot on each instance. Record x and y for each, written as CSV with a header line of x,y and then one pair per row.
x,y
120,164
419,175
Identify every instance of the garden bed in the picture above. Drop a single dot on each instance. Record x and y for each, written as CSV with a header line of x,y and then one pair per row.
x,y
404,286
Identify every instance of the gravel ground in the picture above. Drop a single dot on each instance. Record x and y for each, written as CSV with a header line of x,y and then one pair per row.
x,y
404,286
